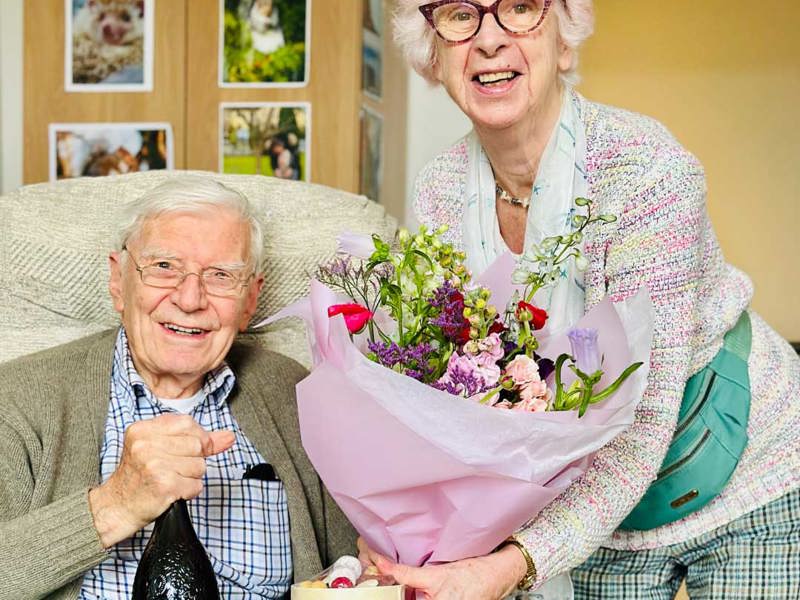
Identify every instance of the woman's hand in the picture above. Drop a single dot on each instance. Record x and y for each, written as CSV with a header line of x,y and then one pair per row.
x,y
489,577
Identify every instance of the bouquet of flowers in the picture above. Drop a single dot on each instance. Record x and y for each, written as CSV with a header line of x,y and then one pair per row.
x,y
438,411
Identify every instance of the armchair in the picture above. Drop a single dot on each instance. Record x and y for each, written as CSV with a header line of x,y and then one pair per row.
x,y
55,238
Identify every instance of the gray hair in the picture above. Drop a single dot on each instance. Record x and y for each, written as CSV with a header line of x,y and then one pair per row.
x,y
190,194
417,41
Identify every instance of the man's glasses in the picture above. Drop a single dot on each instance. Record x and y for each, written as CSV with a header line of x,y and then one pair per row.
x,y
169,274
458,21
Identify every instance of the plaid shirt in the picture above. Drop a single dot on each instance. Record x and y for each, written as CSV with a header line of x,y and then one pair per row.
x,y
243,524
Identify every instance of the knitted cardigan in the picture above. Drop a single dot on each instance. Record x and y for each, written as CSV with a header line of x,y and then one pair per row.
x,y
663,241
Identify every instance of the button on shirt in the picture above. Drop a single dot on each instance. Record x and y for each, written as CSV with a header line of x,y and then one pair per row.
x,y
243,524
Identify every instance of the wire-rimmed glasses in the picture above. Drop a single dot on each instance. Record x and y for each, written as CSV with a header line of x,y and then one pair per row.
x,y
457,21
166,273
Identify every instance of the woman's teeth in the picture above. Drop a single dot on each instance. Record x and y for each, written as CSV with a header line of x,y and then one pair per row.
x,y
493,78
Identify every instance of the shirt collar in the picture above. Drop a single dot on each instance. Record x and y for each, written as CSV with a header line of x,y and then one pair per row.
x,y
217,383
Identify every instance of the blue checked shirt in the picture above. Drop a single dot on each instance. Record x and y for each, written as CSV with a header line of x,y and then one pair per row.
x,y
243,524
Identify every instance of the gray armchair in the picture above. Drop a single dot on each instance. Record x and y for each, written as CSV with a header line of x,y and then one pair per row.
x,y
55,239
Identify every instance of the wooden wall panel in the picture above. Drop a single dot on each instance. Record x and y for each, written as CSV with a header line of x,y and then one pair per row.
x,y
334,90
187,95
45,100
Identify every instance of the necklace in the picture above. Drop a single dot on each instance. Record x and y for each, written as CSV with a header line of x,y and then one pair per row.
x,y
505,196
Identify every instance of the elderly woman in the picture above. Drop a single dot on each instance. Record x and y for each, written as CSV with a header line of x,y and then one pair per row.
x,y
535,146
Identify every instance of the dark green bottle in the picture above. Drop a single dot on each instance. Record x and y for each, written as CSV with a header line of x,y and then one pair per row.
x,y
175,565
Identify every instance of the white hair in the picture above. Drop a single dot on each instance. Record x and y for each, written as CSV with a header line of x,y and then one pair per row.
x,y
417,40
190,194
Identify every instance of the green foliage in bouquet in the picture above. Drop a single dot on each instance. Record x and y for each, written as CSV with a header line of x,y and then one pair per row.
x,y
446,332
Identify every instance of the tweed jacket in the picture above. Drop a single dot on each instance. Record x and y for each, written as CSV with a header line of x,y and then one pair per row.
x,y
663,241
53,407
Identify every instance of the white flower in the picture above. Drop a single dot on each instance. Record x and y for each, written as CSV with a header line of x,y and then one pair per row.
x,y
519,276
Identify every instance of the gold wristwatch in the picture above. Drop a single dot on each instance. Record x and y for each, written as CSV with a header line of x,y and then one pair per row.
x,y
530,576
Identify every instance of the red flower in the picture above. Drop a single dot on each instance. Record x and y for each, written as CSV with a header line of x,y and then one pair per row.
x,y
497,326
355,315
529,312
463,334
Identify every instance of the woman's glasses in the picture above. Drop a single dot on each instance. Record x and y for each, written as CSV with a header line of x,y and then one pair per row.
x,y
458,21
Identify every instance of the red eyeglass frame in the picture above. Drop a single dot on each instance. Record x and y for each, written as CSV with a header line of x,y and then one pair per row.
x,y
427,12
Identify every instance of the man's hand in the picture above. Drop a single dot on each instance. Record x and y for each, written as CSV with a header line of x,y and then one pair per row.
x,y
489,577
163,459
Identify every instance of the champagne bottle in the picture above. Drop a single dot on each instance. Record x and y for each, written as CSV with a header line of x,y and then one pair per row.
x,y
174,564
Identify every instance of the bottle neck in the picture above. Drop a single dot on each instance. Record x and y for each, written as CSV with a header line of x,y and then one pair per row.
x,y
175,521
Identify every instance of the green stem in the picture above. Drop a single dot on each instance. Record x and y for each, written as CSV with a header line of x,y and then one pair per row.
x,y
490,394
614,386
559,399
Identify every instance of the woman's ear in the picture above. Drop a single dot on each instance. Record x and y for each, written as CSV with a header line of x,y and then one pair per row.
x,y
566,55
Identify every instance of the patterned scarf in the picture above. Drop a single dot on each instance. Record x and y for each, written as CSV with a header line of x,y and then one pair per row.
x,y
560,179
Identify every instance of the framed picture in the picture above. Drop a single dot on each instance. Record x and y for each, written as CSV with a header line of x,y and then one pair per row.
x,y
108,45
372,49
264,43
266,138
96,149
371,154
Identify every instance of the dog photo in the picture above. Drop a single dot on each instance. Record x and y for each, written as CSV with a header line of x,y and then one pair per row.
x,y
264,43
371,154
109,45
97,149
266,138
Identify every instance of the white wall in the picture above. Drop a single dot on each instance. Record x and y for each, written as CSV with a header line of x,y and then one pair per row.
x,y
434,123
10,95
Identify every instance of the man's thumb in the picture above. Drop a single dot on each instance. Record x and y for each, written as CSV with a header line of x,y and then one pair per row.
x,y
219,441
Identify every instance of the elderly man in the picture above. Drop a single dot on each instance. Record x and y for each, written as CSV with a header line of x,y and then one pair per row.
x,y
98,437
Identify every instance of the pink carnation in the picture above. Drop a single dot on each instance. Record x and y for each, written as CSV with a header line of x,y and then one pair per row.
x,y
532,405
523,370
533,390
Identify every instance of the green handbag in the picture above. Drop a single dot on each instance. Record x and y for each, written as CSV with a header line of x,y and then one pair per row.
x,y
709,439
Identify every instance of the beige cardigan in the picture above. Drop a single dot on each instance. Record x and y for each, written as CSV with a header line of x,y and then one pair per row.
x,y
53,407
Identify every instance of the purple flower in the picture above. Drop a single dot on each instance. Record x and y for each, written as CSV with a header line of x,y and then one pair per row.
x,y
411,360
584,349
466,377
450,303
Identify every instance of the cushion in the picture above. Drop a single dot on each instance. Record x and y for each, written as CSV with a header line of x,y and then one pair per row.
x,y
55,239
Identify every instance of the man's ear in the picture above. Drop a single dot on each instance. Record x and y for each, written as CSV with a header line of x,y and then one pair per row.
x,y
115,281
251,301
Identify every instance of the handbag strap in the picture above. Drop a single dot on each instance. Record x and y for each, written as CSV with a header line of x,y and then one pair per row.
x,y
738,340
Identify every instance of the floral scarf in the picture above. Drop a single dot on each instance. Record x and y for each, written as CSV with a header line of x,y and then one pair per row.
x,y
560,179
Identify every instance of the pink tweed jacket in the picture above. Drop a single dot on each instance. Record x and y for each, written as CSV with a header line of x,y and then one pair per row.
x,y
662,240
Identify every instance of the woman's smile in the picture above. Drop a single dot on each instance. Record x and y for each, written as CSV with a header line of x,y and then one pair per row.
x,y
495,82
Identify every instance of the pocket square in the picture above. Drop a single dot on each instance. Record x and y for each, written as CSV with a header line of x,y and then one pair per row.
x,y
261,472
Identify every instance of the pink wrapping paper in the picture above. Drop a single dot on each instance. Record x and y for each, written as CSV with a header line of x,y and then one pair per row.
x,y
429,477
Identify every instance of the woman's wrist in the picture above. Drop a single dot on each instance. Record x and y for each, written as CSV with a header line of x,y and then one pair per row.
x,y
525,569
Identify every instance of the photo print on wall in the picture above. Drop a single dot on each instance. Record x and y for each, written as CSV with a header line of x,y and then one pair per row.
x,y
108,45
97,149
372,49
266,138
264,43
371,154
